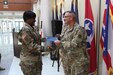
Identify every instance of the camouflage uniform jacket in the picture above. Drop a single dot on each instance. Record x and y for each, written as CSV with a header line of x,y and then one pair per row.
x,y
74,47
30,39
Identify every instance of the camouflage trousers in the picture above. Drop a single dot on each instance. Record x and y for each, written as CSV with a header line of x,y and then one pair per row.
x,y
31,67
70,68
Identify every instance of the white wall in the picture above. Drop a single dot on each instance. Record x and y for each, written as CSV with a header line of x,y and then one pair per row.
x,y
46,17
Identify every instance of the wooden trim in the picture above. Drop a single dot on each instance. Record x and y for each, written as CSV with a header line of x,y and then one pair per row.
x,y
17,5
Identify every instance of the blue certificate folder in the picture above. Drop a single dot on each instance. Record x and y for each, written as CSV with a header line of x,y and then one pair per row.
x,y
50,38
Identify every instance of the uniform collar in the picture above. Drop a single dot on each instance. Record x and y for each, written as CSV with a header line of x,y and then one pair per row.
x,y
26,24
75,25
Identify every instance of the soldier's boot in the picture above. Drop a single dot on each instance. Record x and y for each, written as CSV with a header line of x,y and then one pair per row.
x,y
2,68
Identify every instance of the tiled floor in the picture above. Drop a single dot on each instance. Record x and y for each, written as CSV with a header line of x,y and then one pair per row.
x,y
47,67
11,64
7,57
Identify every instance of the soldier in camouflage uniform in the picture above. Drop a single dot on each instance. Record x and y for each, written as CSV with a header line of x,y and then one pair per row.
x,y
0,66
30,56
73,51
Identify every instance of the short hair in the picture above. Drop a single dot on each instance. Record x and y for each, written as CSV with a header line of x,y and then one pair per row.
x,y
28,15
73,13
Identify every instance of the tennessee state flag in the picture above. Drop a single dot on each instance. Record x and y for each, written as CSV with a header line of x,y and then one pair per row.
x,y
89,26
107,39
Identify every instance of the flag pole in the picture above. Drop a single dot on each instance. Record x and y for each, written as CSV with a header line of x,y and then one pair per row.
x,y
98,36
56,9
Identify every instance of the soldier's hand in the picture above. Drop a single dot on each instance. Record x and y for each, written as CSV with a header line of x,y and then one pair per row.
x,y
57,42
43,39
49,47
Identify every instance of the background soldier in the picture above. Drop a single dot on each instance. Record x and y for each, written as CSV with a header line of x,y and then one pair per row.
x,y
73,46
0,66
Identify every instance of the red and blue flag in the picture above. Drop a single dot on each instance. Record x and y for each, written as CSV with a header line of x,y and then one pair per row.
x,y
106,44
89,26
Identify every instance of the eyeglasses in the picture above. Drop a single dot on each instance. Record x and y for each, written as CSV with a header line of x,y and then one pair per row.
x,y
66,16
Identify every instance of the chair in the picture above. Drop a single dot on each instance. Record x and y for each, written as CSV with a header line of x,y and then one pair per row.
x,y
16,44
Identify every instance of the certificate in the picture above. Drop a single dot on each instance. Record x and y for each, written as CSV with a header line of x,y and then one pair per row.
x,y
50,38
